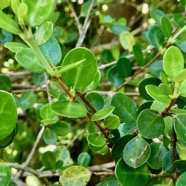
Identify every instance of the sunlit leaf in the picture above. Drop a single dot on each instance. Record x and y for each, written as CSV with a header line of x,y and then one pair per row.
x,y
5,176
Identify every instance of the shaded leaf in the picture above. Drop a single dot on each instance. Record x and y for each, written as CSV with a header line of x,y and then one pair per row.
x,y
5,176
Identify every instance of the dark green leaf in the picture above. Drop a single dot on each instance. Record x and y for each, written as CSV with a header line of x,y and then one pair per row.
x,y
49,159
52,51
61,128
124,67
128,176
150,124
136,152
156,67
180,165
138,55
112,122
157,14
166,27
96,140
167,162
125,108
108,181
5,83
49,136
179,19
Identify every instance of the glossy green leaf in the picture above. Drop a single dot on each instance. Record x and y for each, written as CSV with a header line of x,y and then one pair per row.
x,y
96,100
75,175
15,46
46,112
8,140
39,11
138,55
181,180
96,140
167,162
112,122
155,36
157,14
43,33
136,152
52,51
49,159
158,93
103,113
173,61
79,77
117,149
49,136
8,24
14,5
147,81
5,83
28,59
180,127
150,124
128,176
83,159
8,114
127,40
158,152
166,27
124,67
4,4
108,181
114,77
181,76
125,108
61,128
5,174
180,165
69,109
26,100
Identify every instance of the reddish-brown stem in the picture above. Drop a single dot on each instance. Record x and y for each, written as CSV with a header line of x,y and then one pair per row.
x,y
166,111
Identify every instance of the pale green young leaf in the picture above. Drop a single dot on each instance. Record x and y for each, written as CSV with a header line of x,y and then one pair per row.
x,y
14,5
103,113
112,122
173,61
181,76
15,46
4,4
8,24
182,89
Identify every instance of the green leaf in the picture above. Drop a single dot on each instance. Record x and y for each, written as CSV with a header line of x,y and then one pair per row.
x,y
96,140
28,59
43,33
50,137
179,19
103,113
167,162
52,51
96,100
75,175
83,159
180,127
112,122
14,5
46,112
173,61
128,176
150,124
180,165
49,160
127,40
156,68
182,89
158,152
40,78
39,11
15,46
5,83
26,100
124,67
147,81
181,180
158,93
8,24
166,27
125,108
5,176
136,152
157,14
69,109
138,55
181,150
79,77
8,114
61,128
117,149
108,181
181,76
155,36
4,4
